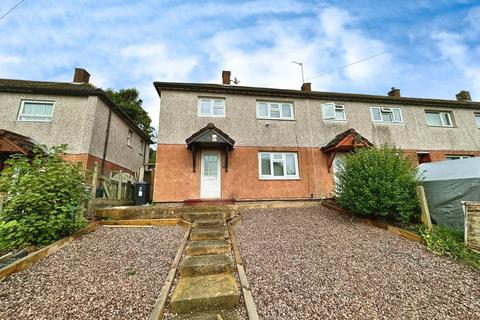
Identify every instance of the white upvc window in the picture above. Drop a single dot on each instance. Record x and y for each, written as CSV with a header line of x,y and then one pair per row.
x,y
278,165
457,157
275,110
477,119
387,115
211,107
129,138
39,111
439,118
332,111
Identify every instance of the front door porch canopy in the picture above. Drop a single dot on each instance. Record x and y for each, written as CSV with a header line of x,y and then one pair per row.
x,y
346,141
210,137
11,142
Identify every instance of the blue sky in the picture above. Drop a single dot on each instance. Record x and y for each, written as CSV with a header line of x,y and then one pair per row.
x,y
432,47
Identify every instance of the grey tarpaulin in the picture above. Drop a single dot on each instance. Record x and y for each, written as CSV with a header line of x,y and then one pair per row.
x,y
446,184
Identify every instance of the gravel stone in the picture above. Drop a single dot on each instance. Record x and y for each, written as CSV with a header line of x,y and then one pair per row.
x,y
112,273
314,263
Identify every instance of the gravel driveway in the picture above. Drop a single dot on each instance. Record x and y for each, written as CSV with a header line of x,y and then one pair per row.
x,y
112,273
313,263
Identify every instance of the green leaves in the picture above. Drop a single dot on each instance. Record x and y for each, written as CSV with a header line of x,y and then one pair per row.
x,y
379,182
45,198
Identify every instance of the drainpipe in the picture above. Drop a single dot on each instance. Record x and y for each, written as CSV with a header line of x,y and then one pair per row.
x,y
106,141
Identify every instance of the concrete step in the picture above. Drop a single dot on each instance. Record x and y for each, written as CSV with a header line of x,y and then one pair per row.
x,y
207,264
211,315
200,223
209,233
192,216
195,248
204,293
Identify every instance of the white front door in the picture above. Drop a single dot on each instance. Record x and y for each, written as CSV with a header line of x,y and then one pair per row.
x,y
336,166
210,175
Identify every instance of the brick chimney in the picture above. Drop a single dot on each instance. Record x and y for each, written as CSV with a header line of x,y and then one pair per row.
x,y
306,86
81,76
464,96
226,77
394,92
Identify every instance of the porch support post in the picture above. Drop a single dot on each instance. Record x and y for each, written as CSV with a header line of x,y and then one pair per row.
x,y
226,159
193,157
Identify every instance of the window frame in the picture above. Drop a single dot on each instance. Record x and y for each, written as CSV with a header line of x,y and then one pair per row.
x,y
335,107
280,109
476,118
450,117
457,156
284,161
390,110
211,114
129,137
22,106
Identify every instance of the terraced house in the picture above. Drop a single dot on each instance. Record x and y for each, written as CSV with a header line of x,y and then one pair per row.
x,y
77,114
237,143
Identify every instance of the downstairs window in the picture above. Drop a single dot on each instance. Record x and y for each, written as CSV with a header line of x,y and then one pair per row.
x,y
278,165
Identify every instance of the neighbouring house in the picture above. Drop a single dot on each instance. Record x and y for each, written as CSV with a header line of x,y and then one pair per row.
x,y
237,143
77,114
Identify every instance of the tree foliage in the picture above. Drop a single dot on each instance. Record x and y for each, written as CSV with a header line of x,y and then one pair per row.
x,y
44,199
379,182
129,100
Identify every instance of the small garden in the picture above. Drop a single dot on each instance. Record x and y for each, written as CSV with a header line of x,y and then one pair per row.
x,y
43,199
380,183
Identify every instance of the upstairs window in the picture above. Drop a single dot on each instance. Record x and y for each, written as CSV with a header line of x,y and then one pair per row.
x,y
40,111
208,107
387,115
332,111
439,119
477,119
278,165
275,110
457,157
129,138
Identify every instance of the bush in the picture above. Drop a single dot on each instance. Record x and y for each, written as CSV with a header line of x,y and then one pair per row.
x,y
379,182
443,241
44,199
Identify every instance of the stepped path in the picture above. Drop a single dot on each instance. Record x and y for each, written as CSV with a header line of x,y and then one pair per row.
x,y
206,287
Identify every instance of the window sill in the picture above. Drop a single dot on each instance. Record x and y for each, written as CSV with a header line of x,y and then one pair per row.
x,y
334,120
389,123
275,119
210,116
40,121
279,179
445,127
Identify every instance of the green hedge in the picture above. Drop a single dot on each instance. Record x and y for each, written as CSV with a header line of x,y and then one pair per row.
x,y
379,182
44,199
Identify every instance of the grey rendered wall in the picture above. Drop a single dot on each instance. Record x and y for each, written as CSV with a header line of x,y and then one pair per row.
x,y
178,120
71,122
118,152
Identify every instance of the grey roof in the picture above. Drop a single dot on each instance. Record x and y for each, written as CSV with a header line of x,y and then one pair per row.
x,y
288,93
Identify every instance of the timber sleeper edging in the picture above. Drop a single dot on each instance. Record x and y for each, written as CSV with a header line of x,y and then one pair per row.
x,y
33,257
381,225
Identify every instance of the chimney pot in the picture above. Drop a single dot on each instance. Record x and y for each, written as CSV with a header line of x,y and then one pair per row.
x,y
306,86
394,92
226,77
464,96
81,76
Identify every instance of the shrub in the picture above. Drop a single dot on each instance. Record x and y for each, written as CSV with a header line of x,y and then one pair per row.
x,y
443,241
44,199
379,182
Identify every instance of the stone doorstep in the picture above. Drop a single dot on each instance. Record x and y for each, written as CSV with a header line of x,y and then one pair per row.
x,y
206,247
209,233
206,264
212,315
205,293
200,223
192,216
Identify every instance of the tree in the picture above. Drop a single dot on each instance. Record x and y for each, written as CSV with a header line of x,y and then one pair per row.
x,y
129,100
379,182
